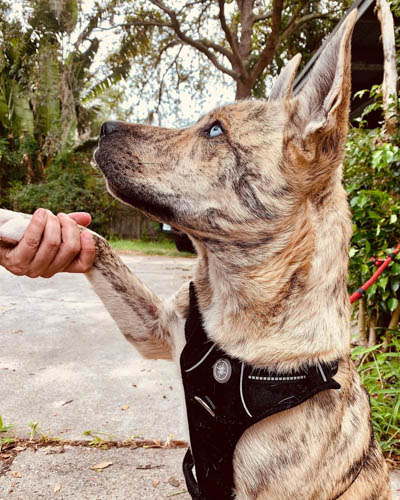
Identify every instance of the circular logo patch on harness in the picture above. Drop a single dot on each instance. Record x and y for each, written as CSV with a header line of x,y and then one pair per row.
x,y
222,370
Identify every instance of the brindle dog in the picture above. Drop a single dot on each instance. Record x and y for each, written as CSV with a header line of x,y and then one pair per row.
x,y
257,187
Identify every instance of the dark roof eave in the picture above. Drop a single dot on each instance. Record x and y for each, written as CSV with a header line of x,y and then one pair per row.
x,y
362,6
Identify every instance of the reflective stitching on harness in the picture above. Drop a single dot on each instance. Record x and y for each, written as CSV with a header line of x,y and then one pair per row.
x,y
241,392
298,377
321,371
202,359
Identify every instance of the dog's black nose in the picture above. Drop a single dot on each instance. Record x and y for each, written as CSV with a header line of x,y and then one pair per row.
x,y
110,127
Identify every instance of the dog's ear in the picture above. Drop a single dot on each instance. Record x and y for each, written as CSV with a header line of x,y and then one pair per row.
x,y
283,87
320,116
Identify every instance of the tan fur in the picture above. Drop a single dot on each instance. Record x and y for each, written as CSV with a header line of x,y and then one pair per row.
x,y
265,208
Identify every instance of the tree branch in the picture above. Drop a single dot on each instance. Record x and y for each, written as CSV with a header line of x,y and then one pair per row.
x,y
160,90
238,62
262,17
197,44
247,16
87,31
218,48
296,14
298,23
268,53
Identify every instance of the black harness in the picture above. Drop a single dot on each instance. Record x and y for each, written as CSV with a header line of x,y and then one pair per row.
x,y
224,397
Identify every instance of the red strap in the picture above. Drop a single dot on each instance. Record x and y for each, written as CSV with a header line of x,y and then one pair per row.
x,y
381,267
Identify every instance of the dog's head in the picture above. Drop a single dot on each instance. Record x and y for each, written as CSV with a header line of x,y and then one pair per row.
x,y
245,167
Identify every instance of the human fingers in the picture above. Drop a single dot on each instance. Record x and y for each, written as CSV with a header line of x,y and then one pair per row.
x,y
69,248
84,261
17,259
82,218
48,248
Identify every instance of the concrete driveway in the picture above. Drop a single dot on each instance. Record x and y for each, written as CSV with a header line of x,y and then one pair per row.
x,y
65,367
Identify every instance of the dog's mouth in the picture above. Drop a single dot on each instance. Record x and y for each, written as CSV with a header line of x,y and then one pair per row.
x,y
133,190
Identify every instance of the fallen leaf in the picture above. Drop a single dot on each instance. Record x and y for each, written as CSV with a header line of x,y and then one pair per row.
x,y
175,494
125,407
20,448
144,467
63,402
101,466
174,482
156,482
57,488
149,466
67,402
55,450
16,473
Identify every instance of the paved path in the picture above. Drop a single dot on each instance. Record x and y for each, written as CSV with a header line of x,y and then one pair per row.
x,y
64,365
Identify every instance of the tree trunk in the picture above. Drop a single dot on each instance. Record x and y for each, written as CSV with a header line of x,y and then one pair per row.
x,y
394,322
243,90
372,331
389,85
362,323
68,115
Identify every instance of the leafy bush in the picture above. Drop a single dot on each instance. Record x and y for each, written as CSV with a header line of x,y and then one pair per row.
x,y
72,185
372,180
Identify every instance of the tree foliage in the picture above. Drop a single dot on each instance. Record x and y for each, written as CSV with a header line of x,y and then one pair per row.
x,y
46,61
240,42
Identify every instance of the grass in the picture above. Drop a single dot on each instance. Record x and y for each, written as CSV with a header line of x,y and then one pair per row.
x,y
4,428
160,247
380,374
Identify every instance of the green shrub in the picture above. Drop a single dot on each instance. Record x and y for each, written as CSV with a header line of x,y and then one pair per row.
x,y
372,181
72,185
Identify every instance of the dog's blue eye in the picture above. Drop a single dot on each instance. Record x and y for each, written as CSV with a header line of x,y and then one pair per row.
x,y
215,130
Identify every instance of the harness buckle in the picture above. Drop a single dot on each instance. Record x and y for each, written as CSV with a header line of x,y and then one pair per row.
x,y
205,406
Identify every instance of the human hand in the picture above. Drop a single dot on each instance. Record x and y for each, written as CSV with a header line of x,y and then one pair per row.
x,y
51,244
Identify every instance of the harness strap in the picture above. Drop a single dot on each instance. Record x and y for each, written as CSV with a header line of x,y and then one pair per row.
x,y
224,397
191,483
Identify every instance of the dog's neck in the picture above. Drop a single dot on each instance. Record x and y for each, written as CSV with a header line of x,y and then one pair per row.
x,y
285,303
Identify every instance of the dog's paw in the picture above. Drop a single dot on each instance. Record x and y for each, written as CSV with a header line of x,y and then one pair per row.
x,y
12,227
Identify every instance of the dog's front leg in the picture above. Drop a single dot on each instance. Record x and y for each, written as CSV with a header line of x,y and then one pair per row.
x,y
141,316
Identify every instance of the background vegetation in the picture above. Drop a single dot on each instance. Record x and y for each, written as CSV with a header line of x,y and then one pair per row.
x,y
372,180
66,67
